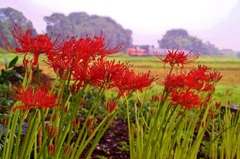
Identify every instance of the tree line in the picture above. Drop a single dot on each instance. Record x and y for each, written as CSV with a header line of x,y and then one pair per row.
x,y
80,23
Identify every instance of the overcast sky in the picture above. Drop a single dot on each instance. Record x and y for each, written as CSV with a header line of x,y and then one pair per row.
x,y
217,21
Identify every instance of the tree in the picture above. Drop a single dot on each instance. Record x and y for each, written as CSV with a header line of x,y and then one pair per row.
x,y
238,54
80,23
10,17
180,39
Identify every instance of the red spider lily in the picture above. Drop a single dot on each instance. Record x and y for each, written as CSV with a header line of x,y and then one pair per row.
x,y
24,43
184,88
85,49
214,76
199,79
128,81
100,73
111,105
35,98
177,57
80,74
103,72
202,78
174,81
62,67
186,99
208,87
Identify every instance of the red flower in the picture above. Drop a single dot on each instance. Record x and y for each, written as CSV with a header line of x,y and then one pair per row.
x,y
177,57
85,49
61,67
174,81
102,72
214,76
25,43
186,99
128,81
99,73
202,78
35,98
81,73
111,105
199,79
184,89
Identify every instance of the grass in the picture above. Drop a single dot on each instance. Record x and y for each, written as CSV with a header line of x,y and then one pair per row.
x,y
228,66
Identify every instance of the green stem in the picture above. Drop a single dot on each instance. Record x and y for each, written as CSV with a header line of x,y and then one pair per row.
x,y
129,131
100,133
43,131
28,137
83,133
38,75
11,128
16,149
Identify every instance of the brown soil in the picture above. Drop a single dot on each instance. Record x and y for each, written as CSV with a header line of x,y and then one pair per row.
x,y
110,145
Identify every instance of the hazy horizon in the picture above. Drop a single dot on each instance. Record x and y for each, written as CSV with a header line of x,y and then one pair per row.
x,y
215,21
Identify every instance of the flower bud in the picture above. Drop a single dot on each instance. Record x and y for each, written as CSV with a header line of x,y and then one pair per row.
x,y
218,104
51,130
5,121
90,121
51,149
54,116
76,122
111,105
212,114
153,111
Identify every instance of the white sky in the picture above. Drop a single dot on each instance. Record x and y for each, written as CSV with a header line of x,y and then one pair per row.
x,y
148,19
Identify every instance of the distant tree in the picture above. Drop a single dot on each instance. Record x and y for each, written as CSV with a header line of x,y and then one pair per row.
x,y
10,17
176,33
238,54
146,47
57,24
180,39
80,23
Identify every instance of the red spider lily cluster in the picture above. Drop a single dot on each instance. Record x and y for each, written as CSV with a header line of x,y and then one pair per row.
x,y
192,89
81,64
83,60
80,60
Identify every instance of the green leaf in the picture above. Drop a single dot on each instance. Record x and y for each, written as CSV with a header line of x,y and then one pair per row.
x,y
11,73
6,62
3,72
13,62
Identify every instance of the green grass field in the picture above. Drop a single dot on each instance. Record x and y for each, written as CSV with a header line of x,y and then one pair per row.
x,y
228,66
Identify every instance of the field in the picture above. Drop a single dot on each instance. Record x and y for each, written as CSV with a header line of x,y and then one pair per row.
x,y
228,66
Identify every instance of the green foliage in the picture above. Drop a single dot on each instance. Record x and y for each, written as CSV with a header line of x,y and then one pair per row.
x,y
10,17
5,86
238,54
180,39
6,73
124,146
80,23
